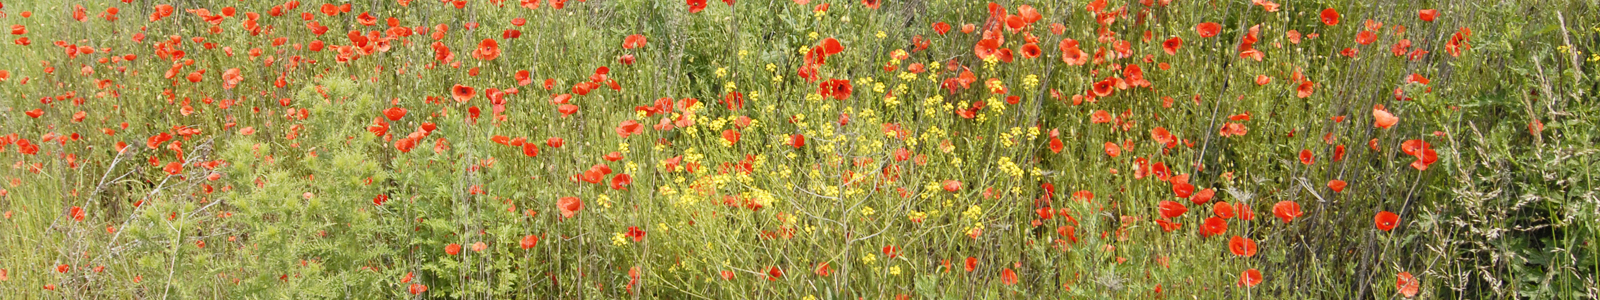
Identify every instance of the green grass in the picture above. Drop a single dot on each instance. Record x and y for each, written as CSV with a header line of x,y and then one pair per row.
x,y
269,186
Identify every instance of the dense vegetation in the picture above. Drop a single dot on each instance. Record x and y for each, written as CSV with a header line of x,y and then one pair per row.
x,y
810,149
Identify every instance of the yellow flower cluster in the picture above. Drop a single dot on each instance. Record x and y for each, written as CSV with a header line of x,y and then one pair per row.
x,y
1010,167
916,215
763,197
935,102
907,76
973,212
620,239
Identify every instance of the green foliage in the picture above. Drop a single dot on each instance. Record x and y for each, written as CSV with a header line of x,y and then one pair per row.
x,y
290,190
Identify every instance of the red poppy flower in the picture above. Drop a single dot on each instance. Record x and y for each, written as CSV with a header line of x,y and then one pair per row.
x,y
634,41
1349,52
1422,151
731,136
1008,277
1386,220
1401,47
1168,226
1171,209
462,93
452,249
839,89
951,186
1337,185
1103,88
173,168
1208,29
1428,14
1171,45
823,269
406,144
941,28
1234,129
774,273
1213,226
972,263
417,288
488,49
1030,50
1071,54
1112,149
1306,157
523,77
36,112
1245,212
195,76
153,142
529,241
1305,89
567,109
394,113
635,233
629,127
1406,283
1203,196
569,206
530,149
1182,189
1413,147
1330,16
1267,5
696,6
231,78
1382,118
797,140
1222,210
891,251
380,199
1250,278
1100,116
1241,246
378,127
621,181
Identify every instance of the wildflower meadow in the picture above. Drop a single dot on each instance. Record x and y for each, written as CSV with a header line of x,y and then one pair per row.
x,y
799,149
